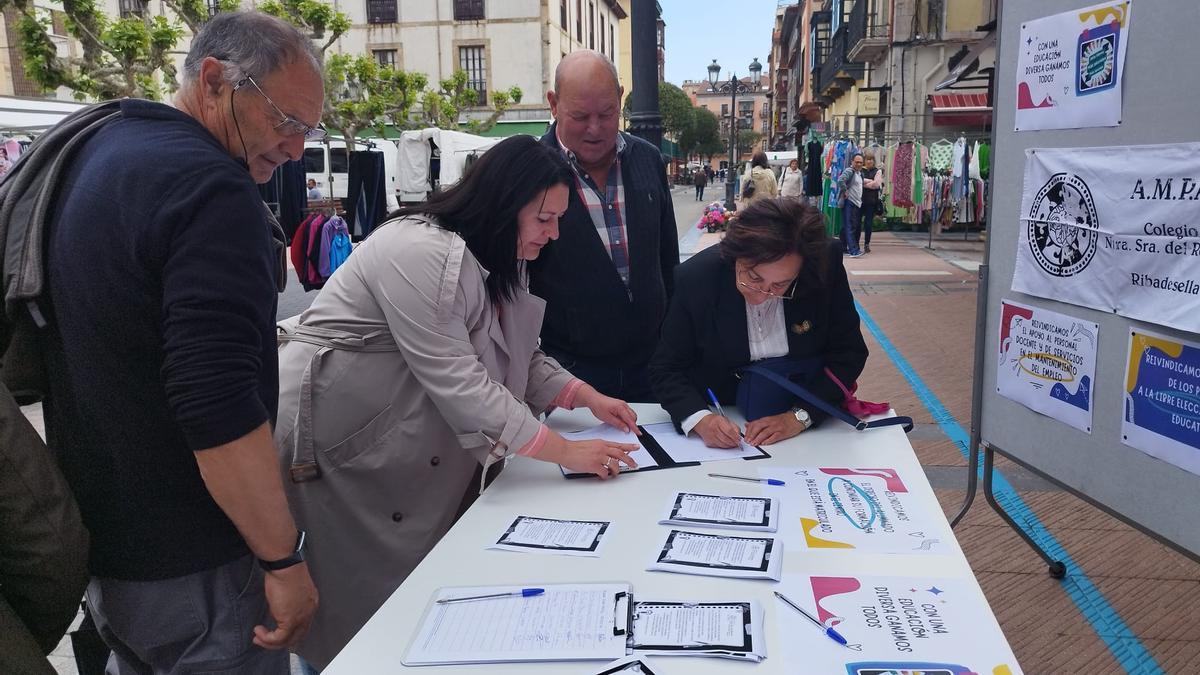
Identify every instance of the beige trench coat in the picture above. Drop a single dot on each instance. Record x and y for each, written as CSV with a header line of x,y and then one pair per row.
x,y
398,383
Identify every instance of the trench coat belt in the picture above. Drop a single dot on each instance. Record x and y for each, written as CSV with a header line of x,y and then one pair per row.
x,y
304,460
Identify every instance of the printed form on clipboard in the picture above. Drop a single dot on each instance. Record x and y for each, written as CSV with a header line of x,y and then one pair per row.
x,y
662,448
579,622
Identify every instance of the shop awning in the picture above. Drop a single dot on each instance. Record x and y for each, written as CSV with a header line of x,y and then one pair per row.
x,y
960,109
505,128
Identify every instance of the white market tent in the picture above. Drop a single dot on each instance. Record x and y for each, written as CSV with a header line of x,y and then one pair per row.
x,y
33,115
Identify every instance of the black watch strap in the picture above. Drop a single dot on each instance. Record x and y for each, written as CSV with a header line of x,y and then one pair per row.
x,y
295,558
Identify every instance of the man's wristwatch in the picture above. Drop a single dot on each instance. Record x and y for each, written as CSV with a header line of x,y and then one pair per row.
x,y
802,417
295,558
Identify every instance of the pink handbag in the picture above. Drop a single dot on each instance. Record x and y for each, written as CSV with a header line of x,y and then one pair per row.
x,y
851,403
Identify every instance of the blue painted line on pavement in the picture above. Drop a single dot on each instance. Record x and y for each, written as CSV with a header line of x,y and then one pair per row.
x,y
1124,645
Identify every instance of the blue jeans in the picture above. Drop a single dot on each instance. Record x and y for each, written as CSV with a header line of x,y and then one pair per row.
x,y
851,219
200,622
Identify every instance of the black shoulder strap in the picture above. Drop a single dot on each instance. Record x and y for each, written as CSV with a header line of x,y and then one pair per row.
x,y
825,406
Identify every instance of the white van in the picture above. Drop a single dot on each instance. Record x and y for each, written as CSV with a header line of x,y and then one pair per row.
x,y
328,164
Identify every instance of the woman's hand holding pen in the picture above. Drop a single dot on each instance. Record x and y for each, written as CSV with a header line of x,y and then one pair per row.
x,y
612,411
718,432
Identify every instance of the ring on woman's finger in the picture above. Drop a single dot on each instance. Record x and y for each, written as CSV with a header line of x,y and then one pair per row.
x,y
608,462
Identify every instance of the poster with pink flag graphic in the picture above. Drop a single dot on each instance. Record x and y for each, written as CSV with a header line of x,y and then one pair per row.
x,y
863,510
1070,67
932,626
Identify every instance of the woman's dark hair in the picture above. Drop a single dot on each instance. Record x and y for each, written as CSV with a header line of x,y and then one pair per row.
x,y
482,208
770,229
760,159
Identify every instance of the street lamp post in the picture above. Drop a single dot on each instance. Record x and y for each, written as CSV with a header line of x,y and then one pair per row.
x,y
714,74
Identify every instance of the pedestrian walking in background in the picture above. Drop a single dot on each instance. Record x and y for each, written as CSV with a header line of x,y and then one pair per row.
x,y
605,295
850,194
760,182
701,180
791,181
161,358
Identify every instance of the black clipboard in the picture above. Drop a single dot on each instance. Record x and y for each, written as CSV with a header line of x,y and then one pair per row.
x,y
662,459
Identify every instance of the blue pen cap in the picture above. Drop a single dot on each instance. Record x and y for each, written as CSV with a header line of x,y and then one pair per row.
x,y
530,592
775,481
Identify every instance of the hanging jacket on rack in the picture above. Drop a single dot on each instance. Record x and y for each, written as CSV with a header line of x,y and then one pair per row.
x,y
813,172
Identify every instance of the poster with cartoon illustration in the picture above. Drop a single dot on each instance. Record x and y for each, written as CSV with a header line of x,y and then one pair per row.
x,y
1116,229
1047,362
893,625
1161,414
1070,67
865,510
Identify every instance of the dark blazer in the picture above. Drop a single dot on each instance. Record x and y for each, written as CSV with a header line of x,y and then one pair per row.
x,y
704,339
589,315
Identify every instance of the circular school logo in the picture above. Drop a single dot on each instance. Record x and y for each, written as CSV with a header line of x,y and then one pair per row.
x,y
1062,226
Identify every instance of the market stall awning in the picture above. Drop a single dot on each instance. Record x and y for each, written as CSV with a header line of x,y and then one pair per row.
x,y
33,115
960,109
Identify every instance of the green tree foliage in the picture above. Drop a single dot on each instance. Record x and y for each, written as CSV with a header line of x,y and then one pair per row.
x,y
703,135
748,141
443,107
128,56
674,106
135,56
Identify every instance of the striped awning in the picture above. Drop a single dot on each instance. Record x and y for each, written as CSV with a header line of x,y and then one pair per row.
x,y
960,109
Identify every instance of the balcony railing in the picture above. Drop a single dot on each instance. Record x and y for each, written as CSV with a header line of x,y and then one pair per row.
x,y
867,32
838,72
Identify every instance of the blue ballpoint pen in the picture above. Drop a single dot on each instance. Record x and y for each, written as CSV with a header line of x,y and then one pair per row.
x,y
768,481
833,634
721,411
523,593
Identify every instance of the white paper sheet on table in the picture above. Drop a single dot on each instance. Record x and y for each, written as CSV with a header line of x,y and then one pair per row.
x,y
691,448
529,534
892,625
604,432
695,509
569,622
731,630
719,555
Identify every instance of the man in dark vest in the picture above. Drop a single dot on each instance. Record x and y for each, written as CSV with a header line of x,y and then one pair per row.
x,y
607,278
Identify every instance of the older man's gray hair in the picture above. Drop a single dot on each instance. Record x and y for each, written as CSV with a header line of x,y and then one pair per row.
x,y
249,43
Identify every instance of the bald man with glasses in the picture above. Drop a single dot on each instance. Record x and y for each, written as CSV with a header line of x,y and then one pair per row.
x,y
164,272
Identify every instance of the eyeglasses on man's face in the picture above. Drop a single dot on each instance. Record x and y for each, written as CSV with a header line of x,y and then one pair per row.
x,y
290,126
784,290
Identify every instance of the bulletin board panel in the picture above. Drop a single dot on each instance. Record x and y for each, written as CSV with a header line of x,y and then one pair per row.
x,y
1161,105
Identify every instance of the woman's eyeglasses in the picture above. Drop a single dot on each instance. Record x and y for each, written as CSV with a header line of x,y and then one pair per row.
x,y
775,290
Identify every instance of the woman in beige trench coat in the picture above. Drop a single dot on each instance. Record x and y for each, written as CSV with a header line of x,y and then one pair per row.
x,y
415,370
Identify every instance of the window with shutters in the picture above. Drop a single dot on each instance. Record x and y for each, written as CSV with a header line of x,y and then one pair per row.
x,y
468,10
591,25
381,11
579,20
385,57
471,60
562,14
130,8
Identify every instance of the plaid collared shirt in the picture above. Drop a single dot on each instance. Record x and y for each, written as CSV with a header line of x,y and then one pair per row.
x,y
606,207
